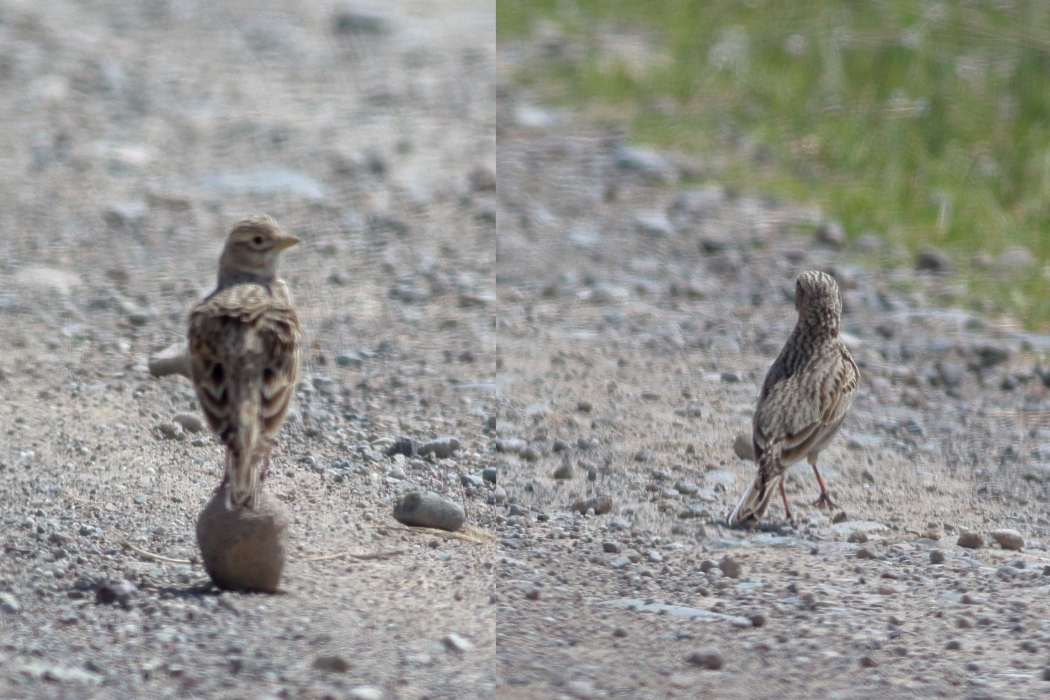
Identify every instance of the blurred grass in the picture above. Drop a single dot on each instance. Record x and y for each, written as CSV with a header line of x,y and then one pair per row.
x,y
927,123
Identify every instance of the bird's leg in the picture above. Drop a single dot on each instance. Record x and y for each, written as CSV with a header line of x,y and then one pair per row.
x,y
825,500
226,470
787,510
265,465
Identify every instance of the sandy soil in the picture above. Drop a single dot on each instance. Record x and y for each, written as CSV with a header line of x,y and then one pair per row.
x,y
135,135
614,333
638,317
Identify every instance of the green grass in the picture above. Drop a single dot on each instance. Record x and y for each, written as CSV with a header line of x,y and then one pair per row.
x,y
928,123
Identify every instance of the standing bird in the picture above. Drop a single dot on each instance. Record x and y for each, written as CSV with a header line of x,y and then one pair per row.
x,y
244,353
804,398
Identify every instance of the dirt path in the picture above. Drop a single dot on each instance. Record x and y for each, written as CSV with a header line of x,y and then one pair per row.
x,y
637,323
136,134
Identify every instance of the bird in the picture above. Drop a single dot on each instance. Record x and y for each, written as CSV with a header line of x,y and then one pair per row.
x,y
244,354
805,396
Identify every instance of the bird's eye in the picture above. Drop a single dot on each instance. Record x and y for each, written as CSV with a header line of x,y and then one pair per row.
x,y
257,240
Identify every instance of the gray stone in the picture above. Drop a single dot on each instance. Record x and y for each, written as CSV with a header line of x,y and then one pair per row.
x,y
122,593
686,488
403,445
648,163
744,446
530,454
9,604
707,658
170,431
174,359
564,470
366,692
190,422
471,480
454,642
970,540
937,557
731,567
601,505
713,243
1016,258
126,215
1008,539
331,663
355,20
511,445
830,234
654,224
490,474
933,260
348,359
441,447
428,509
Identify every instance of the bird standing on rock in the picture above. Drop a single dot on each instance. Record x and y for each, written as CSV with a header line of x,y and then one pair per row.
x,y
804,398
244,353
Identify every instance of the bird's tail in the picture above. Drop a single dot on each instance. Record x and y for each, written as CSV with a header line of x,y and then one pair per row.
x,y
244,463
755,501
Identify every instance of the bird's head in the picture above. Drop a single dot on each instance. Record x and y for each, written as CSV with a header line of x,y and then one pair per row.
x,y
253,249
817,298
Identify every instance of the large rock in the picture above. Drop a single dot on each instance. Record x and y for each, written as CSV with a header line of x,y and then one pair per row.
x,y
244,550
428,509
174,359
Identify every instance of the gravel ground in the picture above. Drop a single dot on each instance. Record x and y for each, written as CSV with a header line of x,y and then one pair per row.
x,y
136,134
638,316
629,317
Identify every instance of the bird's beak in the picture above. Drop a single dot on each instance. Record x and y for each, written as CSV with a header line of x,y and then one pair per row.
x,y
285,242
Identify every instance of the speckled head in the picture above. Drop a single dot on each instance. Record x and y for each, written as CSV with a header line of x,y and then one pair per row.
x,y
817,299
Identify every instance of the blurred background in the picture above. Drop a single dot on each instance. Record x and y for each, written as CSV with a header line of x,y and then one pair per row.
x,y
923,123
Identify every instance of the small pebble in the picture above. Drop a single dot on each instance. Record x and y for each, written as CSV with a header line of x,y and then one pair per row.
x,y
731,567
120,592
331,663
970,540
1009,539
366,692
937,557
564,471
744,447
190,422
706,658
455,642
9,604
442,448
428,509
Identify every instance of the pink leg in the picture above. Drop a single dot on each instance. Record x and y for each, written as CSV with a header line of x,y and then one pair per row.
x,y
825,500
785,498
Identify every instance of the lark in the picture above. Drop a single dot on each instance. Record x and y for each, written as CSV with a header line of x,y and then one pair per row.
x,y
244,354
804,398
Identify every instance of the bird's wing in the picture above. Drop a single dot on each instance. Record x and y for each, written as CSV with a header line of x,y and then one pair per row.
x,y
798,410
278,332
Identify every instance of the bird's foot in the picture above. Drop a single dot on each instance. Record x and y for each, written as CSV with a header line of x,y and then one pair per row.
x,y
825,502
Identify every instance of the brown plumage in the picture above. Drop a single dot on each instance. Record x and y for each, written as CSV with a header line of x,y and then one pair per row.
x,y
804,398
244,353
